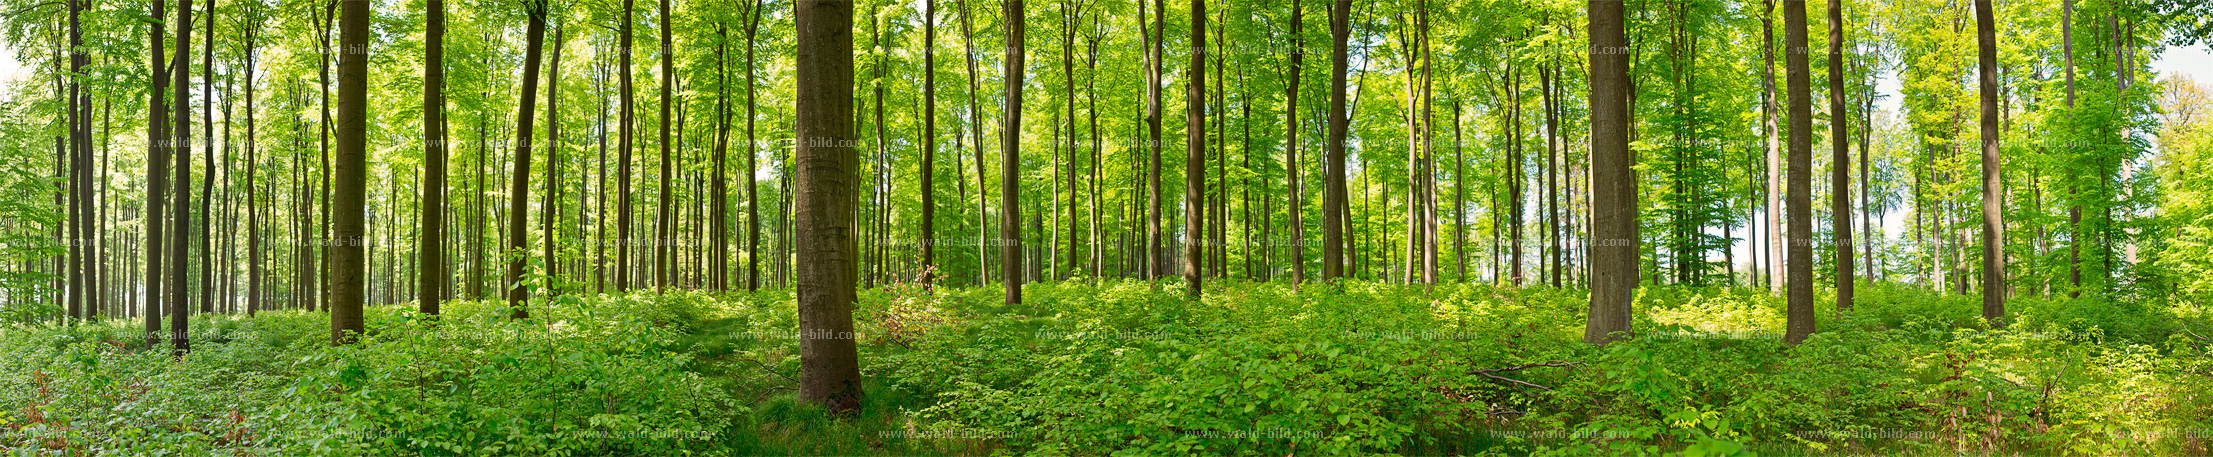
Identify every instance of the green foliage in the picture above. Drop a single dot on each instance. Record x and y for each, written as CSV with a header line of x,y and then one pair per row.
x,y
1130,368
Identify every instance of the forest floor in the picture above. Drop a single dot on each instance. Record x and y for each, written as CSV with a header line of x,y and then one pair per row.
x,y
1131,368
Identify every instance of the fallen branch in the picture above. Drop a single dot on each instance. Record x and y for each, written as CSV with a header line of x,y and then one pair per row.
x,y
1516,383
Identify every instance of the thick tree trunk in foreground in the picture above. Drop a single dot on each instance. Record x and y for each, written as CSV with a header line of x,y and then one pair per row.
x,y
431,251
1613,247
824,185
1799,319
349,190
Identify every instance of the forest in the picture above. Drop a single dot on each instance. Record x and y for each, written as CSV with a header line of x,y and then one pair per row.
x,y
874,227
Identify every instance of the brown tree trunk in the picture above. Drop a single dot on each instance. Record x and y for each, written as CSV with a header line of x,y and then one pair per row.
x,y
1993,221
664,231
824,185
1334,218
927,180
1840,178
431,252
349,191
1194,165
1799,319
1291,174
1613,249
1010,159
518,207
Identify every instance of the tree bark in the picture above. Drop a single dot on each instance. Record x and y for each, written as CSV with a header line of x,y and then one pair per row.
x,y
1840,165
1334,214
1613,249
349,190
824,184
1010,159
431,254
518,206
664,255
1993,220
927,180
1799,318
1194,165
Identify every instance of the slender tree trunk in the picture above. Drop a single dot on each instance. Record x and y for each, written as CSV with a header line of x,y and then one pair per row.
x,y
752,160
976,132
1336,210
1613,249
157,178
664,232
1194,171
927,180
627,140
518,206
824,184
181,191
1774,148
1840,180
553,167
207,163
1799,319
2074,208
1993,220
1291,174
1010,158
1157,251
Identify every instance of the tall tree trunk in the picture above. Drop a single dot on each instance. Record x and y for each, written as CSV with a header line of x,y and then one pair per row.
x,y
1291,174
1774,147
518,191
1194,165
752,160
824,183
431,252
1799,319
1613,250
627,140
664,254
1010,158
253,164
1156,251
157,179
350,189
1335,213
180,190
207,163
1993,221
1840,180
553,166
976,132
927,180
2074,208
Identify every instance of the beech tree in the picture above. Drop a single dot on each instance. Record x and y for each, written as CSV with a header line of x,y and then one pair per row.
x,y
824,183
